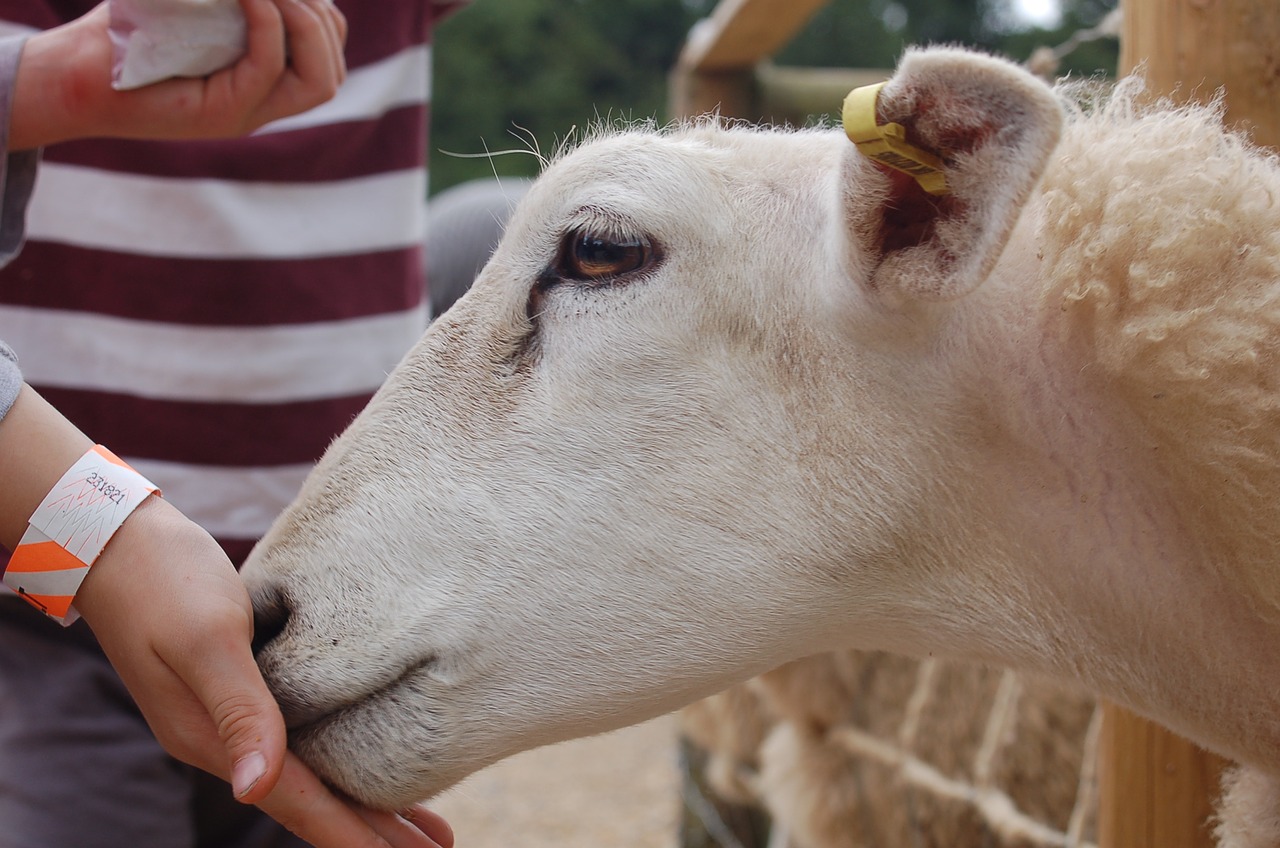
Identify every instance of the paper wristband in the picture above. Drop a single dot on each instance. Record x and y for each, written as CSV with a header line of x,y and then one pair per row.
x,y
887,143
70,528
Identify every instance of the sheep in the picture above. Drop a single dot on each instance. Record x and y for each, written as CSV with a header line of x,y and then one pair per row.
x,y
854,749
726,398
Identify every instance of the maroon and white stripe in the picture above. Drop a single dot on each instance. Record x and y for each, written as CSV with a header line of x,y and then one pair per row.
x,y
214,316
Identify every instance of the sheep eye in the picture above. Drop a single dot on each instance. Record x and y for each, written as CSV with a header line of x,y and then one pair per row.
x,y
588,256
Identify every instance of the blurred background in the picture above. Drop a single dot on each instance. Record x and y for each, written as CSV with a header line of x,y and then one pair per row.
x,y
519,73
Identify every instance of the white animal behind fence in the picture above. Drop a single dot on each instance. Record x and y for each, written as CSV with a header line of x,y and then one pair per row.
x,y
842,754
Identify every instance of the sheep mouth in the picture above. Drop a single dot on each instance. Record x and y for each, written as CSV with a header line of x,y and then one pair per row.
x,y
375,749
303,715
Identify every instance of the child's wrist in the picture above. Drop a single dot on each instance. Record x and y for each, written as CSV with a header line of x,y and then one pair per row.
x,y
52,101
71,527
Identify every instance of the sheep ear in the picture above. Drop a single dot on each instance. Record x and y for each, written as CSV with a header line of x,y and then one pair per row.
x,y
948,151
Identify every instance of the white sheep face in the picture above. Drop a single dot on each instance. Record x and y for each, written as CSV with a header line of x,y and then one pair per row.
x,y
564,510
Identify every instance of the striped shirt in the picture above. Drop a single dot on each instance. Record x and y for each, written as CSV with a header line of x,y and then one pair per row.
x,y
216,312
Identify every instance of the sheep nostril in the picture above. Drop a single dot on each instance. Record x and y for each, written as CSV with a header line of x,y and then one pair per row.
x,y
270,616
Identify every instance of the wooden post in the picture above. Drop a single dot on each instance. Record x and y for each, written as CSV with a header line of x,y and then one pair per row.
x,y
1198,46
1156,790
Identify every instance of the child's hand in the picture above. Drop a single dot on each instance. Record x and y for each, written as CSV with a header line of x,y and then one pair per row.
x,y
63,88
174,619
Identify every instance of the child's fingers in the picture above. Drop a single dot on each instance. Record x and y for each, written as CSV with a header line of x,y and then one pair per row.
x,y
316,64
310,810
265,56
335,29
340,24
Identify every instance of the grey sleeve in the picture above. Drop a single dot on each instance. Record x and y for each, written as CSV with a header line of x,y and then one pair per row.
x,y
17,178
17,170
464,225
10,379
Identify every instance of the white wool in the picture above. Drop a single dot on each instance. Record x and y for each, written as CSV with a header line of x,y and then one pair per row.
x,y
1161,236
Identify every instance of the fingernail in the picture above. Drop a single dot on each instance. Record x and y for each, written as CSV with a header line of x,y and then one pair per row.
x,y
246,773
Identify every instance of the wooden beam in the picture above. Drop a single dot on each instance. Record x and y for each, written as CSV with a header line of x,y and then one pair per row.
x,y
1155,789
794,95
716,68
730,93
1194,47
741,33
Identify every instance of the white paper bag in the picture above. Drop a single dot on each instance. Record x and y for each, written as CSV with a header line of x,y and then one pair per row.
x,y
158,39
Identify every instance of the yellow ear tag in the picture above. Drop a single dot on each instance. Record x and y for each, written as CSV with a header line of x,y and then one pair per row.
x,y
888,144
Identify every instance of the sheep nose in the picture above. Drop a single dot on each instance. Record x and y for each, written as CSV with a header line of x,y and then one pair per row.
x,y
271,613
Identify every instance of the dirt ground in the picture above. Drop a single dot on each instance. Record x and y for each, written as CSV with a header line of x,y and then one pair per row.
x,y
619,790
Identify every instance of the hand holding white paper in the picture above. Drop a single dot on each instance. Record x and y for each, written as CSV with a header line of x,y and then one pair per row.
x,y
155,40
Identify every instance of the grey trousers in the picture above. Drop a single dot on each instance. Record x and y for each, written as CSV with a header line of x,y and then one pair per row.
x,y
79,768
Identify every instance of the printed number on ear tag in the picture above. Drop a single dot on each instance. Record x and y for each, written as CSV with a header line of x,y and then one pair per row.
x,y
887,143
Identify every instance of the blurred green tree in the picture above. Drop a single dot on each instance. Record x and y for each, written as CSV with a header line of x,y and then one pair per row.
x,y
527,74
509,73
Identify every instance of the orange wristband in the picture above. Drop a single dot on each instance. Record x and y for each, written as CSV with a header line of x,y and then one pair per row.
x,y
70,528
